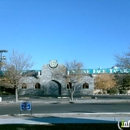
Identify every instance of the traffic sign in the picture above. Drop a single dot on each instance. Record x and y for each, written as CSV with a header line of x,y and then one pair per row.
x,y
25,106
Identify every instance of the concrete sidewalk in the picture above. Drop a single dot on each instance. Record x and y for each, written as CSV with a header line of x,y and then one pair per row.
x,y
65,101
64,118
46,100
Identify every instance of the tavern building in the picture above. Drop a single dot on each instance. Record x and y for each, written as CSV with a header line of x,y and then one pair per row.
x,y
51,81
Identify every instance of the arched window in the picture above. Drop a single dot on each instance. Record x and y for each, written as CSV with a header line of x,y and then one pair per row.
x,y
37,86
24,86
85,86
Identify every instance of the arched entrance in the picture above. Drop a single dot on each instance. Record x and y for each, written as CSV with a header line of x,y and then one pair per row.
x,y
59,87
53,88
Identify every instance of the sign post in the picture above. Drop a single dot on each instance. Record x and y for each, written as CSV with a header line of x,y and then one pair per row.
x,y
26,106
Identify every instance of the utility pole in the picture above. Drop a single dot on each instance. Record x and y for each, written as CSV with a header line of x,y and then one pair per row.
x,y
2,58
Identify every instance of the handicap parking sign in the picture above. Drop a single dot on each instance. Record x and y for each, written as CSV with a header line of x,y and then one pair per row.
x,y
25,106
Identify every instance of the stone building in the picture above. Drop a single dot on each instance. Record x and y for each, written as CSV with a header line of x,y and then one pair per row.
x,y
51,81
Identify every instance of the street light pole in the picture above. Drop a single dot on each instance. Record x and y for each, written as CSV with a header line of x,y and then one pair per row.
x,y
1,61
2,57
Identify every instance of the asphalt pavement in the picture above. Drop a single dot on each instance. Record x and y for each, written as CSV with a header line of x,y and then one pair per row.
x,y
54,118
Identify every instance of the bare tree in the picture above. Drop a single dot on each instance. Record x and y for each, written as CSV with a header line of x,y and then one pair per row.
x,y
123,62
15,66
73,76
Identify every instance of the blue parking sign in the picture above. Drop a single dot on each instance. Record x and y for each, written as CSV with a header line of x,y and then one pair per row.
x,y
25,106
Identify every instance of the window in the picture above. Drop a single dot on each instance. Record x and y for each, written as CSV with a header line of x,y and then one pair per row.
x,y
24,86
85,86
37,86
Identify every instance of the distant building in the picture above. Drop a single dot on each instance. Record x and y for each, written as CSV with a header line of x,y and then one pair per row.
x,y
51,81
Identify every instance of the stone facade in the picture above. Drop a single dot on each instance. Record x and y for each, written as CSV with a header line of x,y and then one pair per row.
x,y
51,81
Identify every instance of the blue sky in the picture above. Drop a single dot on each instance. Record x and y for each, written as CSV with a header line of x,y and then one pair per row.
x,y
89,31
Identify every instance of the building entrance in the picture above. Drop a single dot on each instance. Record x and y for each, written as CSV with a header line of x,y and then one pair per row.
x,y
53,88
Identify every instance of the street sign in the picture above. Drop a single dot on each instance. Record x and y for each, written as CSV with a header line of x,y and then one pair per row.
x,y
25,106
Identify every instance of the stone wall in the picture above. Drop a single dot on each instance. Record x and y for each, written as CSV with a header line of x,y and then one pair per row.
x,y
52,82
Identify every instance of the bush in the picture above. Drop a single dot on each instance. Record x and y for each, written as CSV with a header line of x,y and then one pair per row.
x,y
104,92
99,92
123,91
113,91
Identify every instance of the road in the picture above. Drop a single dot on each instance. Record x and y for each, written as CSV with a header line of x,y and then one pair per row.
x,y
13,108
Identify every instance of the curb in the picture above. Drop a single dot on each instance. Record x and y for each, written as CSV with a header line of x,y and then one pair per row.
x,y
117,114
67,102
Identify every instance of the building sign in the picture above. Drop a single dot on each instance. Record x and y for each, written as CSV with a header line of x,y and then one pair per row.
x,y
53,64
100,71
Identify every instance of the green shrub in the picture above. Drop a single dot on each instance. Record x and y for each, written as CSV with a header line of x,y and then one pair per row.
x,y
123,91
113,91
99,92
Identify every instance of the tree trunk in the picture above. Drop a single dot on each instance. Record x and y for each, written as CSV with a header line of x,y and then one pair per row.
x,y
72,96
16,94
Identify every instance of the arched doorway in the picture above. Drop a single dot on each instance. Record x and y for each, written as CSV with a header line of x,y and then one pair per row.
x,y
59,87
52,88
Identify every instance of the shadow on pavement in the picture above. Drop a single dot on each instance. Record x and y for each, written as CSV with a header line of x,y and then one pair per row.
x,y
67,120
69,123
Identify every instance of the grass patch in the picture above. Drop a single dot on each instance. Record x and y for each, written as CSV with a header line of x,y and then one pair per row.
x,y
61,127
